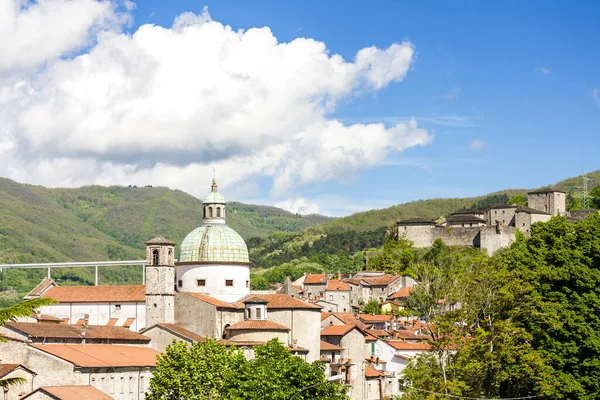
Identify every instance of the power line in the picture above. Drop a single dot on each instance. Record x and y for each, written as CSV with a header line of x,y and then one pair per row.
x,y
471,398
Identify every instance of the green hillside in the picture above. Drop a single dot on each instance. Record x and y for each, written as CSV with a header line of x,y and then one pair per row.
x,y
434,208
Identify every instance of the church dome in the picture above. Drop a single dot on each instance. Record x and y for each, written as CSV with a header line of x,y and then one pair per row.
x,y
213,243
214,197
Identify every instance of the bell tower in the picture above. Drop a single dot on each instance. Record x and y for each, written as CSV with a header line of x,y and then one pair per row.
x,y
160,281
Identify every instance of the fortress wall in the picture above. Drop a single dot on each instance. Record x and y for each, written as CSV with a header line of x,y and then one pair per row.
x,y
420,235
493,240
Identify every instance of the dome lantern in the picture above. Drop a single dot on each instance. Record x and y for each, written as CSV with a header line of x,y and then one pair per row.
x,y
213,206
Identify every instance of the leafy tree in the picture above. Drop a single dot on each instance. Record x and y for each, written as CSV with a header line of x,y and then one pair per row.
x,y
209,370
372,307
595,193
561,262
201,371
518,200
276,374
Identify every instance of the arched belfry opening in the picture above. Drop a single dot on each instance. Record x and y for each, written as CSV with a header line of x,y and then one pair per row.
x,y
155,257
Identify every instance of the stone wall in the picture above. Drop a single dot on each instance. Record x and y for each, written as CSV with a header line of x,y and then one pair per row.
x,y
259,336
305,327
195,315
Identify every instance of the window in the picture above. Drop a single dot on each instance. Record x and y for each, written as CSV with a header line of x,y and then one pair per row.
x,y
502,211
495,211
523,223
102,387
219,212
331,297
180,283
248,316
112,385
131,384
155,257
142,384
228,282
343,297
117,306
122,384
258,313
201,282
247,283
209,212
344,310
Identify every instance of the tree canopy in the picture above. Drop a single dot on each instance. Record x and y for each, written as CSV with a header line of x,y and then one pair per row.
x,y
210,370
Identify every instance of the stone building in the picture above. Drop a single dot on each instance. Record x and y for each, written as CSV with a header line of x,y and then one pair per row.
x,y
490,228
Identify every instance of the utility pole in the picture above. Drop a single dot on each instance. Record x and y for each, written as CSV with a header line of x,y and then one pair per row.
x,y
583,187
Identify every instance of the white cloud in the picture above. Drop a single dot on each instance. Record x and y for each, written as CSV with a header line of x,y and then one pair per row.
x,y
163,106
545,70
596,96
33,33
299,205
477,144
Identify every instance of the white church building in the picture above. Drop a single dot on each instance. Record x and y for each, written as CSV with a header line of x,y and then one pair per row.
x,y
206,293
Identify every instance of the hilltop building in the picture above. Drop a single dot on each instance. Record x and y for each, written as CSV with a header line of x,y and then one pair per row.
x,y
490,228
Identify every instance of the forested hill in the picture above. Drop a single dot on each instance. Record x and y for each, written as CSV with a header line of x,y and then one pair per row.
x,y
434,208
39,224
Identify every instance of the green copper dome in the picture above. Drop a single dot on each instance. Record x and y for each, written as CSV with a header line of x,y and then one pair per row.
x,y
214,197
214,243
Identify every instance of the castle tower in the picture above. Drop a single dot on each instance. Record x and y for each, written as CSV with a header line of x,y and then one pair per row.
x,y
214,258
549,200
160,280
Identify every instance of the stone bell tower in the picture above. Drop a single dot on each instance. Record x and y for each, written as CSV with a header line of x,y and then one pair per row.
x,y
160,281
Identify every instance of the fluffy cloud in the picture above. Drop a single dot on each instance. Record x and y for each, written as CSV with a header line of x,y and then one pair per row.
x,y
477,144
299,205
164,106
33,33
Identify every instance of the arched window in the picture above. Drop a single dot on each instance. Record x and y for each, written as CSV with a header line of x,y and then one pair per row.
x,y
210,212
155,257
218,212
204,212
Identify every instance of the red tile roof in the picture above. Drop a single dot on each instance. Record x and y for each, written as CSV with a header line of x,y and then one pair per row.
x,y
40,288
371,372
379,332
402,293
401,345
6,369
337,330
409,334
97,294
128,322
315,279
368,318
258,325
112,322
178,330
346,318
334,284
66,331
44,318
283,301
329,347
215,302
72,393
101,355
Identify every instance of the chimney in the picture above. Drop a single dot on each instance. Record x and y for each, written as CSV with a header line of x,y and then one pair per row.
x,y
295,346
86,320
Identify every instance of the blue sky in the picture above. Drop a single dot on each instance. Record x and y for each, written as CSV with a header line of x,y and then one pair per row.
x,y
507,90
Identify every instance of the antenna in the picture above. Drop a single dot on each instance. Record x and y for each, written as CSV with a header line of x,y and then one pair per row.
x,y
214,175
585,196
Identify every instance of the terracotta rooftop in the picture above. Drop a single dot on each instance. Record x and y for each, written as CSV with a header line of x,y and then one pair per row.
x,y
215,302
160,240
371,372
71,393
254,300
346,318
6,369
337,330
368,318
329,347
40,288
382,280
66,331
283,301
178,330
315,279
258,325
410,334
379,332
402,293
401,345
97,294
44,318
334,284
101,355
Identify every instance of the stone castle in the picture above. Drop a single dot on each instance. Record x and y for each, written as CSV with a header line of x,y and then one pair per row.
x,y
490,228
